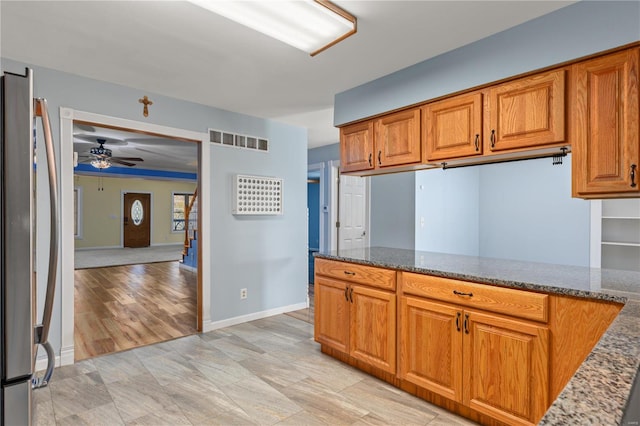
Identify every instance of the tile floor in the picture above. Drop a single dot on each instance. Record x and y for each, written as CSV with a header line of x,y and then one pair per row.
x,y
263,372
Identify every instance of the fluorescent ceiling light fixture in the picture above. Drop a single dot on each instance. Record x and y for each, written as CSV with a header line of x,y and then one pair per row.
x,y
309,25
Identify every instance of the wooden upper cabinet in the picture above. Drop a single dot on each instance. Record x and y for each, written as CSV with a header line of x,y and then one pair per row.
x,y
356,147
606,145
452,128
397,139
526,113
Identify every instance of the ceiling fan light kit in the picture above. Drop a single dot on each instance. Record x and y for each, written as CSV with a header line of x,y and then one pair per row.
x,y
102,158
101,163
309,25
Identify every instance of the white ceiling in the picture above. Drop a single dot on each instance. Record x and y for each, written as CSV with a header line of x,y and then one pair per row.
x,y
177,49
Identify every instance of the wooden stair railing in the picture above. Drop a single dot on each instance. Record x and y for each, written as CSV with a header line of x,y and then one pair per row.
x,y
189,231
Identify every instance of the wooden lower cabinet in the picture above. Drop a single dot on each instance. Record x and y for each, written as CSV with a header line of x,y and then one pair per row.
x,y
492,364
454,343
331,326
431,346
373,327
505,367
356,320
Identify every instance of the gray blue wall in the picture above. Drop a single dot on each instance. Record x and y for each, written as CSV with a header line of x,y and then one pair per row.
x,y
577,30
478,210
392,210
246,252
447,209
521,210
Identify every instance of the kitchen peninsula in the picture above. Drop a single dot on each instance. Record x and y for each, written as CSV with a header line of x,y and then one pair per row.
x,y
494,340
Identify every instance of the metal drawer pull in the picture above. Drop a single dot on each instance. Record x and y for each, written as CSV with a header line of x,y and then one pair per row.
x,y
349,273
460,293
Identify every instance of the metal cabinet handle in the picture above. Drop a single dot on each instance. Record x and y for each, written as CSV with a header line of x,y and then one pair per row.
x,y
380,158
466,323
349,273
460,293
633,175
458,321
346,293
351,295
493,138
477,142
370,157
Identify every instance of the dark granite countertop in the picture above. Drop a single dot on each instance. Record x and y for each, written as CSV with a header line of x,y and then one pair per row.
x,y
599,391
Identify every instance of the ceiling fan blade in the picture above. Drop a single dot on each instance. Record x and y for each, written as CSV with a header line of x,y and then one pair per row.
x,y
125,163
128,158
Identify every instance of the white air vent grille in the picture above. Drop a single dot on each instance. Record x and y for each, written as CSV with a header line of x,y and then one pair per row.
x,y
239,141
257,195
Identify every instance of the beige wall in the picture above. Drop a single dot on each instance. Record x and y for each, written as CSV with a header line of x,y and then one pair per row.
x,y
102,215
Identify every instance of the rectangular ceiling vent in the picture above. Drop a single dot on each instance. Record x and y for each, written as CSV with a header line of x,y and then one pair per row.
x,y
239,141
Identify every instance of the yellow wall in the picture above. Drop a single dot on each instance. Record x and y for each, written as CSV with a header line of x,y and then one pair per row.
x,y
102,215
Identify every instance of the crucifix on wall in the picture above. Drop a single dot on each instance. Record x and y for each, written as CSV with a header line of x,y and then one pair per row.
x,y
146,101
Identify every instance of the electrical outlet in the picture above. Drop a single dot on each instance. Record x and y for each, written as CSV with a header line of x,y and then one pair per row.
x,y
243,293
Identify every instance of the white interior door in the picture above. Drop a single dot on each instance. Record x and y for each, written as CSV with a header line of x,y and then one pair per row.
x,y
353,212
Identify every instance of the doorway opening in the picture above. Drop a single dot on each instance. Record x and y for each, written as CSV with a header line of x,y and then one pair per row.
x,y
146,280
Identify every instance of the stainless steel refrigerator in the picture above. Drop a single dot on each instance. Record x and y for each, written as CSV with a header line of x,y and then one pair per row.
x,y
19,333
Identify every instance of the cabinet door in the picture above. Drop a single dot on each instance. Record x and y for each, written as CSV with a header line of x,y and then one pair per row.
x,y
331,313
398,139
356,147
606,146
506,367
373,327
453,127
431,346
526,113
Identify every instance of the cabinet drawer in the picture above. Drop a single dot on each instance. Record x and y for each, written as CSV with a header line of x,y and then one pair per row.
x,y
517,303
361,274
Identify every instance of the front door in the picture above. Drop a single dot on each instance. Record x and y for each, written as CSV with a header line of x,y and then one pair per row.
x,y
137,220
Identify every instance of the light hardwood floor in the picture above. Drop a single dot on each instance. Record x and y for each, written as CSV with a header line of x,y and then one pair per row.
x,y
124,307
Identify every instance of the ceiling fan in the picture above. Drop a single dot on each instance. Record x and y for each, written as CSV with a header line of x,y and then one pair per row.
x,y
102,158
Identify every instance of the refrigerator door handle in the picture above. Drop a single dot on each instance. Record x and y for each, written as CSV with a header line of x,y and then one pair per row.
x,y
41,382
42,330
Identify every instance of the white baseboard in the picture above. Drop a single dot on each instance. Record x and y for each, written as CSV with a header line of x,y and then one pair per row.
x,y
188,268
67,357
119,247
215,325
41,363
97,248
